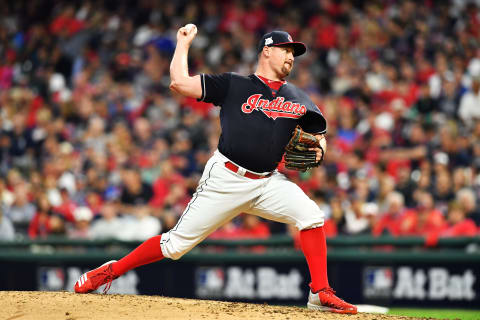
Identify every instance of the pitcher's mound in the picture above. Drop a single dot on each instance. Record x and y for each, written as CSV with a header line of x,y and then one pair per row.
x,y
23,305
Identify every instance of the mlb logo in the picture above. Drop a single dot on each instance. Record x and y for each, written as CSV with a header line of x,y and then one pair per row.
x,y
209,282
377,282
50,279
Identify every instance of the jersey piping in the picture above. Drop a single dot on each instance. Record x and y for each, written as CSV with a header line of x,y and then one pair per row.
x,y
202,81
190,204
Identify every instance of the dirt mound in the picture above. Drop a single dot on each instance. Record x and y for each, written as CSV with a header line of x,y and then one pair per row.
x,y
25,305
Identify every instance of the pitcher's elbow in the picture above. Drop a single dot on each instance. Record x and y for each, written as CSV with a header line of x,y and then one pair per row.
x,y
173,86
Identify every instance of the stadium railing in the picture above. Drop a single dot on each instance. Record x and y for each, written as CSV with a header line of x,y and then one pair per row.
x,y
273,241
277,248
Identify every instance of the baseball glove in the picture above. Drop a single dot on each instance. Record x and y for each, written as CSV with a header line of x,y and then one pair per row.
x,y
297,153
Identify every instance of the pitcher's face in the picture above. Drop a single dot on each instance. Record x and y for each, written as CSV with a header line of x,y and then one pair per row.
x,y
282,60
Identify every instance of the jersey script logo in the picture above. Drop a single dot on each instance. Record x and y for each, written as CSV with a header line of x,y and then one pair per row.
x,y
278,107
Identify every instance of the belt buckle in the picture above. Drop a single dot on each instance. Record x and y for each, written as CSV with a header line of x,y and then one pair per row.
x,y
241,171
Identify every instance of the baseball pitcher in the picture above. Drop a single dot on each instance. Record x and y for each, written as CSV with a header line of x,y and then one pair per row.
x,y
262,117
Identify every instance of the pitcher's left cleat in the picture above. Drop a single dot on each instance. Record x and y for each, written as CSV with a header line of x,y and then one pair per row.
x,y
326,300
92,280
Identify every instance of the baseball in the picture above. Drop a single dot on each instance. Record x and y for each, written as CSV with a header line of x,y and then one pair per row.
x,y
190,27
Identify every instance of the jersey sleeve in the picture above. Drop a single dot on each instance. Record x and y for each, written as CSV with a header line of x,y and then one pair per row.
x,y
314,121
215,87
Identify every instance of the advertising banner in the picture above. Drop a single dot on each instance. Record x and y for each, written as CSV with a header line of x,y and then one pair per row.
x,y
397,284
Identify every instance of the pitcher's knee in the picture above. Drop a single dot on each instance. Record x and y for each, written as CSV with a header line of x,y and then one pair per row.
x,y
173,253
312,225
314,219
174,248
177,255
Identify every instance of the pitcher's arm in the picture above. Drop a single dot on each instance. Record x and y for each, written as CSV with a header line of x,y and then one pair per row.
x,y
180,81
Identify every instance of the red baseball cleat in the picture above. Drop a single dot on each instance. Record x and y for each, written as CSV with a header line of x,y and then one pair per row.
x,y
326,300
92,280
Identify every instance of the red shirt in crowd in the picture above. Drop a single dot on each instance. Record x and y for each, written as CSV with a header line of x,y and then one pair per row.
x,y
390,223
162,188
259,231
39,225
465,228
419,223
65,23
66,210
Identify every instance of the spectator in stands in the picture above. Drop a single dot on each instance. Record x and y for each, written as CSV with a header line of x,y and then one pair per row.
x,y
359,217
458,223
95,137
57,225
13,179
78,107
139,225
253,227
389,221
20,140
94,201
21,211
66,207
40,224
109,226
143,135
469,111
442,191
6,196
243,227
370,212
134,191
168,219
81,228
405,185
53,193
460,178
386,187
338,214
467,200
425,219
7,231
169,188
227,231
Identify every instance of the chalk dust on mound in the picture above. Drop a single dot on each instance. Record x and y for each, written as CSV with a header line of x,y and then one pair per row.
x,y
23,305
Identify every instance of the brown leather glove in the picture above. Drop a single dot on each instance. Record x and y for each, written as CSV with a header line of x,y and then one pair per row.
x,y
297,153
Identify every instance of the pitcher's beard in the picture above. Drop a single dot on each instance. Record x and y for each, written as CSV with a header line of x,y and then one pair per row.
x,y
285,71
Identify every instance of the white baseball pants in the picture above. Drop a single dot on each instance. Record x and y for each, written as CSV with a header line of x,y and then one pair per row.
x,y
223,194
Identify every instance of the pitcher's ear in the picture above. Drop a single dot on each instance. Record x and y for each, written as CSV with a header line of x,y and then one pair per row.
x,y
267,50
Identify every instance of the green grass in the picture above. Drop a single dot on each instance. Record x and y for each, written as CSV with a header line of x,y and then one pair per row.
x,y
437,313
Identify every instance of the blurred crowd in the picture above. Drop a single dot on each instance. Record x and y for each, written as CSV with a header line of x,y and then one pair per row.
x,y
94,145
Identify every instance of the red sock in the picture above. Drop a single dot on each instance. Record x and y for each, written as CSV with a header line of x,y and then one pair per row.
x,y
314,247
147,252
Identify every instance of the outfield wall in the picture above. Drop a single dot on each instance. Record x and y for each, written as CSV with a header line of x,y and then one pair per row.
x,y
366,270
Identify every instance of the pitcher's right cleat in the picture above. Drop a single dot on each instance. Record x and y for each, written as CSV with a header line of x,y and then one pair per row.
x,y
326,300
92,280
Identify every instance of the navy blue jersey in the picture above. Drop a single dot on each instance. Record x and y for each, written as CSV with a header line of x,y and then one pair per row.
x,y
256,126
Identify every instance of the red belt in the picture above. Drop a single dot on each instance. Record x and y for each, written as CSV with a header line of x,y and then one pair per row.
x,y
247,174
